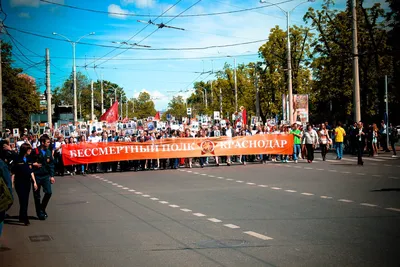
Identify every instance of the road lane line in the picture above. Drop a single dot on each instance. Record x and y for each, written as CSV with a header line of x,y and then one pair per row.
x,y
229,179
125,188
359,173
138,193
174,206
199,214
154,198
392,177
346,172
307,194
220,177
163,202
393,209
214,220
276,188
319,169
189,171
308,168
186,210
368,205
332,170
260,236
145,195
388,165
262,185
212,176
326,197
345,200
232,226
120,186
239,181
250,183
195,172
114,184
377,175
291,191
204,174
131,190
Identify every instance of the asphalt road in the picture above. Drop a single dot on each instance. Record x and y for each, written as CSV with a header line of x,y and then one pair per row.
x,y
332,213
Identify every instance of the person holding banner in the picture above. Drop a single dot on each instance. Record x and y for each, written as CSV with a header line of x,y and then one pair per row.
x,y
229,133
297,142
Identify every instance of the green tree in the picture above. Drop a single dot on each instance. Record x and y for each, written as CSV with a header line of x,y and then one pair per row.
x,y
144,106
21,99
176,107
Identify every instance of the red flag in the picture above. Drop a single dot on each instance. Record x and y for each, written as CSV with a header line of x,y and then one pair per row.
x,y
111,115
244,117
125,120
157,116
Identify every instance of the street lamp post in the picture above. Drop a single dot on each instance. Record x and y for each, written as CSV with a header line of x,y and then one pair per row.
x,y
73,43
289,56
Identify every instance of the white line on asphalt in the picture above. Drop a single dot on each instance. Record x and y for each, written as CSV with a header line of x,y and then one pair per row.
x,y
212,176
307,194
189,171
250,183
186,210
238,181
346,172
174,206
154,198
125,188
359,173
326,197
195,172
145,195
393,209
199,214
229,179
214,220
332,170
260,236
345,200
308,168
163,202
368,205
138,193
377,175
319,169
109,182
291,191
114,184
220,177
388,165
289,166
262,185
392,177
276,188
298,167
120,186
204,174
232,226
131,190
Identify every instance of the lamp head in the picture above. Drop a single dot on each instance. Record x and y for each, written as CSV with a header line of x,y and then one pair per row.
x,y
54,33
92,33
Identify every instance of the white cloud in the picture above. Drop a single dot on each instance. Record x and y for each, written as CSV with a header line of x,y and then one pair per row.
x,y
139,3
24,15
117,9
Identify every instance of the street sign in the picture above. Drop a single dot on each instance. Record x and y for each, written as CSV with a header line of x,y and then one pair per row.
x,y
189,111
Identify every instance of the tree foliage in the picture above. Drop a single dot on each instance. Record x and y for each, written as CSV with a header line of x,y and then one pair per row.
x,y
144,106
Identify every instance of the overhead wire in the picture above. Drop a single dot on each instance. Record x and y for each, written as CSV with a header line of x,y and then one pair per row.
x,y
167,16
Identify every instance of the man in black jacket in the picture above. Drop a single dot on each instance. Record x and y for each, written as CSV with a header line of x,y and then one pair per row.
x,y
361,136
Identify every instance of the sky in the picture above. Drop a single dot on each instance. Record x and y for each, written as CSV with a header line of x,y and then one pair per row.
x,y
140,69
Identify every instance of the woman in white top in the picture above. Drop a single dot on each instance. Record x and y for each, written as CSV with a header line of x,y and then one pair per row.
x,y
310,139
324,140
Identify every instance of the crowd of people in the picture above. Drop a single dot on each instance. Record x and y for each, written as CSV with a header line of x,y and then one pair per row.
x,y
31,162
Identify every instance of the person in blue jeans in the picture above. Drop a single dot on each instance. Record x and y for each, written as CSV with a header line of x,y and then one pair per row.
x,y
296,142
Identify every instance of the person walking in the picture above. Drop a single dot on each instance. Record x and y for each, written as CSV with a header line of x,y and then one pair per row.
x,y
23,178
340,133
324,140
393,138
297,142
361,136
44,174
6,196
310,139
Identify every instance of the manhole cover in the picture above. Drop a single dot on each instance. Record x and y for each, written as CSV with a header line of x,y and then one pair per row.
x,y
226,243
40,238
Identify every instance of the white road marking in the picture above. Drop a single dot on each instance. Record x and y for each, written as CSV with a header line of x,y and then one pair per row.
x,y
131,190
220,177
163,202
368,205
189,171
154,198
232,226
239,181
392,177
345,200
199,214
145,195
204,174
262,185
332,170
138,193
346,172
214,220
320,169
186,210
250,183
212,176
308,168
276,188
260,236
291,191
393,209
120,186
229,179
109,182
359,173
125,188
388,165
298,167
326,197
377,175
174,206
195,172
307,194
114,184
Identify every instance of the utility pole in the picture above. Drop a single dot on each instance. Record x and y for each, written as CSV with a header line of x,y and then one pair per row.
x,y
212,98
102,100
122,115
205,95
48,89
387,110
1,91
356,81
289,63
257,92
92,102
126,106
236,93
111,99
220,102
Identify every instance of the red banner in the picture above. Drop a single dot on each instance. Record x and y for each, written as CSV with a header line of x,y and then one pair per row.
x,y
84,153
111,115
